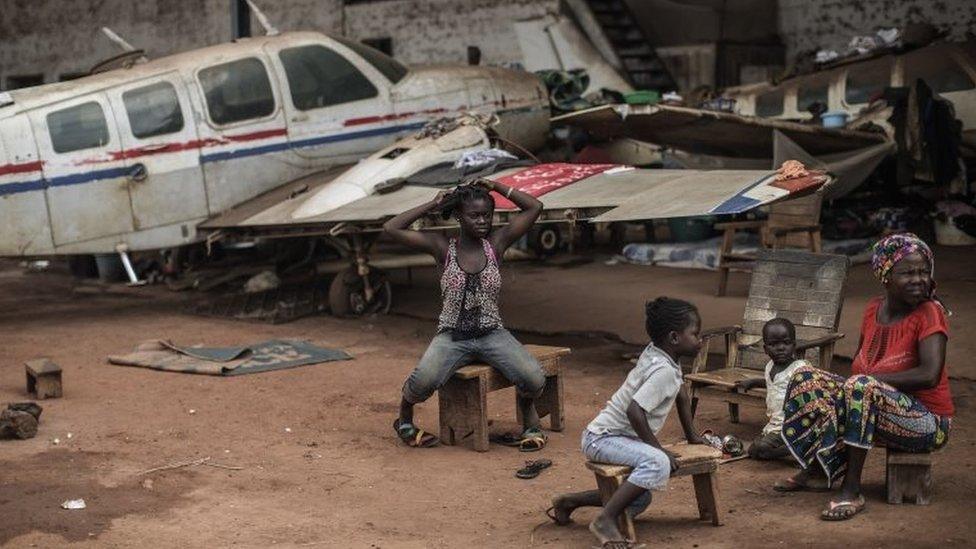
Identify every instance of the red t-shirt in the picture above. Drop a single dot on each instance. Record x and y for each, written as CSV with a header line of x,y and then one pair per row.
x,y
894,348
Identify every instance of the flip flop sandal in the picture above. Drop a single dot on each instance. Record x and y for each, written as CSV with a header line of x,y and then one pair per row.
x,y
414,437
533,468
533,440
831,512
621,544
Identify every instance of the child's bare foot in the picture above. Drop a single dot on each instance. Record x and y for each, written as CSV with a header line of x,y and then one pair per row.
x,y
605,529
561,510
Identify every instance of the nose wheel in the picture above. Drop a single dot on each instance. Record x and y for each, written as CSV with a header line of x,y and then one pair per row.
x,y
545,240
353,295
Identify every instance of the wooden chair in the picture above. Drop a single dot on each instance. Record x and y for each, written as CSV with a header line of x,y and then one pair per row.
x,y
697,460
807,289
463,400
791,224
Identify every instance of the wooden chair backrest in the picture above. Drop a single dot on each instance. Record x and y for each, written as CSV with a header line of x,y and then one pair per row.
x,y
799,212
806,288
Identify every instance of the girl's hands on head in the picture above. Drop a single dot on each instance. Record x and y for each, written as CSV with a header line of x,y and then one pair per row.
x,y
486,184
440,199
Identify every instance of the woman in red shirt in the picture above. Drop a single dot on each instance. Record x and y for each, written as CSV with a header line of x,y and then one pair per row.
x,y
899,390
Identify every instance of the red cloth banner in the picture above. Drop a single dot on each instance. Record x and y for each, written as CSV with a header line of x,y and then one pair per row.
x,y
544,178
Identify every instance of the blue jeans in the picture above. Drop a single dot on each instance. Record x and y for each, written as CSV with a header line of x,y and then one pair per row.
x,y
652,468
499,349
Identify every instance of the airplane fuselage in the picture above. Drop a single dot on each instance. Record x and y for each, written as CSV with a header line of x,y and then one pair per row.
x,y
139,156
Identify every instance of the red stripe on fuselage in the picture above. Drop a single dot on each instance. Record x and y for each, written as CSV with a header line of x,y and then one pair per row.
x,y
150,150
26,167
389,117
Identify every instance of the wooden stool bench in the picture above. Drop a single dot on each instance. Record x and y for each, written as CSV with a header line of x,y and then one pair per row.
x,y
43,379
464,398
908,475
698,460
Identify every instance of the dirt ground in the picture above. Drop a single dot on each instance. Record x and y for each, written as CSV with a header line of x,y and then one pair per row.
x,y
320,463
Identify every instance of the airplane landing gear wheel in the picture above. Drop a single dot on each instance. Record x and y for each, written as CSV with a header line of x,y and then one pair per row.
x,y
546,240
347,294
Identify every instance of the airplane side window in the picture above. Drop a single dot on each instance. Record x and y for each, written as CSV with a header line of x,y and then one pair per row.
x,y
319,77
79,127
391,68
770,103
807,95
865,81
236,91
153,110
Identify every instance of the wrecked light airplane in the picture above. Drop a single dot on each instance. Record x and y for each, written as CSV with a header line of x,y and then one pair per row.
x,y
136,157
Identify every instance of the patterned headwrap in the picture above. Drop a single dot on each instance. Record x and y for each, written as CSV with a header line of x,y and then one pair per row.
x,y
893,248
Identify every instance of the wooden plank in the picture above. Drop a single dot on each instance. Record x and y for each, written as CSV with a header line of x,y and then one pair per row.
x,y
544,354
807,258
797,207
725,377
811,318
751,399
802,283
813,295
757,317
802,332
802,270
755,306
908,458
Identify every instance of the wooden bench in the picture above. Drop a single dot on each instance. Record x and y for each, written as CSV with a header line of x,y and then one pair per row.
x,y
698,460
908,475
43,379
464,398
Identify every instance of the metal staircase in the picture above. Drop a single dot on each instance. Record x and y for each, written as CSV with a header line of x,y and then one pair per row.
x,y
640,62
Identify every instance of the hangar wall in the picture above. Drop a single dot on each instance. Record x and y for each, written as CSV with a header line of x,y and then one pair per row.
x,y
54,39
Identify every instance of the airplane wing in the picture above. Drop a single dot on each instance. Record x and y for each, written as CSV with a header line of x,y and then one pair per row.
x,y
599,193
711,132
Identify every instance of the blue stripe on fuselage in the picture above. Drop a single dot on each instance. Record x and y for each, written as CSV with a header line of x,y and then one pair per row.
x,y
110,173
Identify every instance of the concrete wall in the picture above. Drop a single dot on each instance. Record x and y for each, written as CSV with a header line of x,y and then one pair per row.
x,y
668,23
56,37
813,24
425,31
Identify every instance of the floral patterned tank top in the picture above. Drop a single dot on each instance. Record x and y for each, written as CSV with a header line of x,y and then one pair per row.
x,y
470,299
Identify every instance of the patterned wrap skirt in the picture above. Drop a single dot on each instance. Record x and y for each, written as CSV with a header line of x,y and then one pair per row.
x,y
824,412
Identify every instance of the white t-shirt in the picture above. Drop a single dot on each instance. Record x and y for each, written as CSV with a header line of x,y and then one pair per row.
x,y
776,394
653,383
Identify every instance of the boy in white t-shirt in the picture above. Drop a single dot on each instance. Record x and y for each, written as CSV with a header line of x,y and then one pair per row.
x,y
779,342
625,431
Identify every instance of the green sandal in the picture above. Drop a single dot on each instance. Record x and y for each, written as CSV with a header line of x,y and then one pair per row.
x,y
533,440
414,437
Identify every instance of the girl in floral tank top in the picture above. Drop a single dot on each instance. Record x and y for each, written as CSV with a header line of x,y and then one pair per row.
x,y
470,326
470,299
